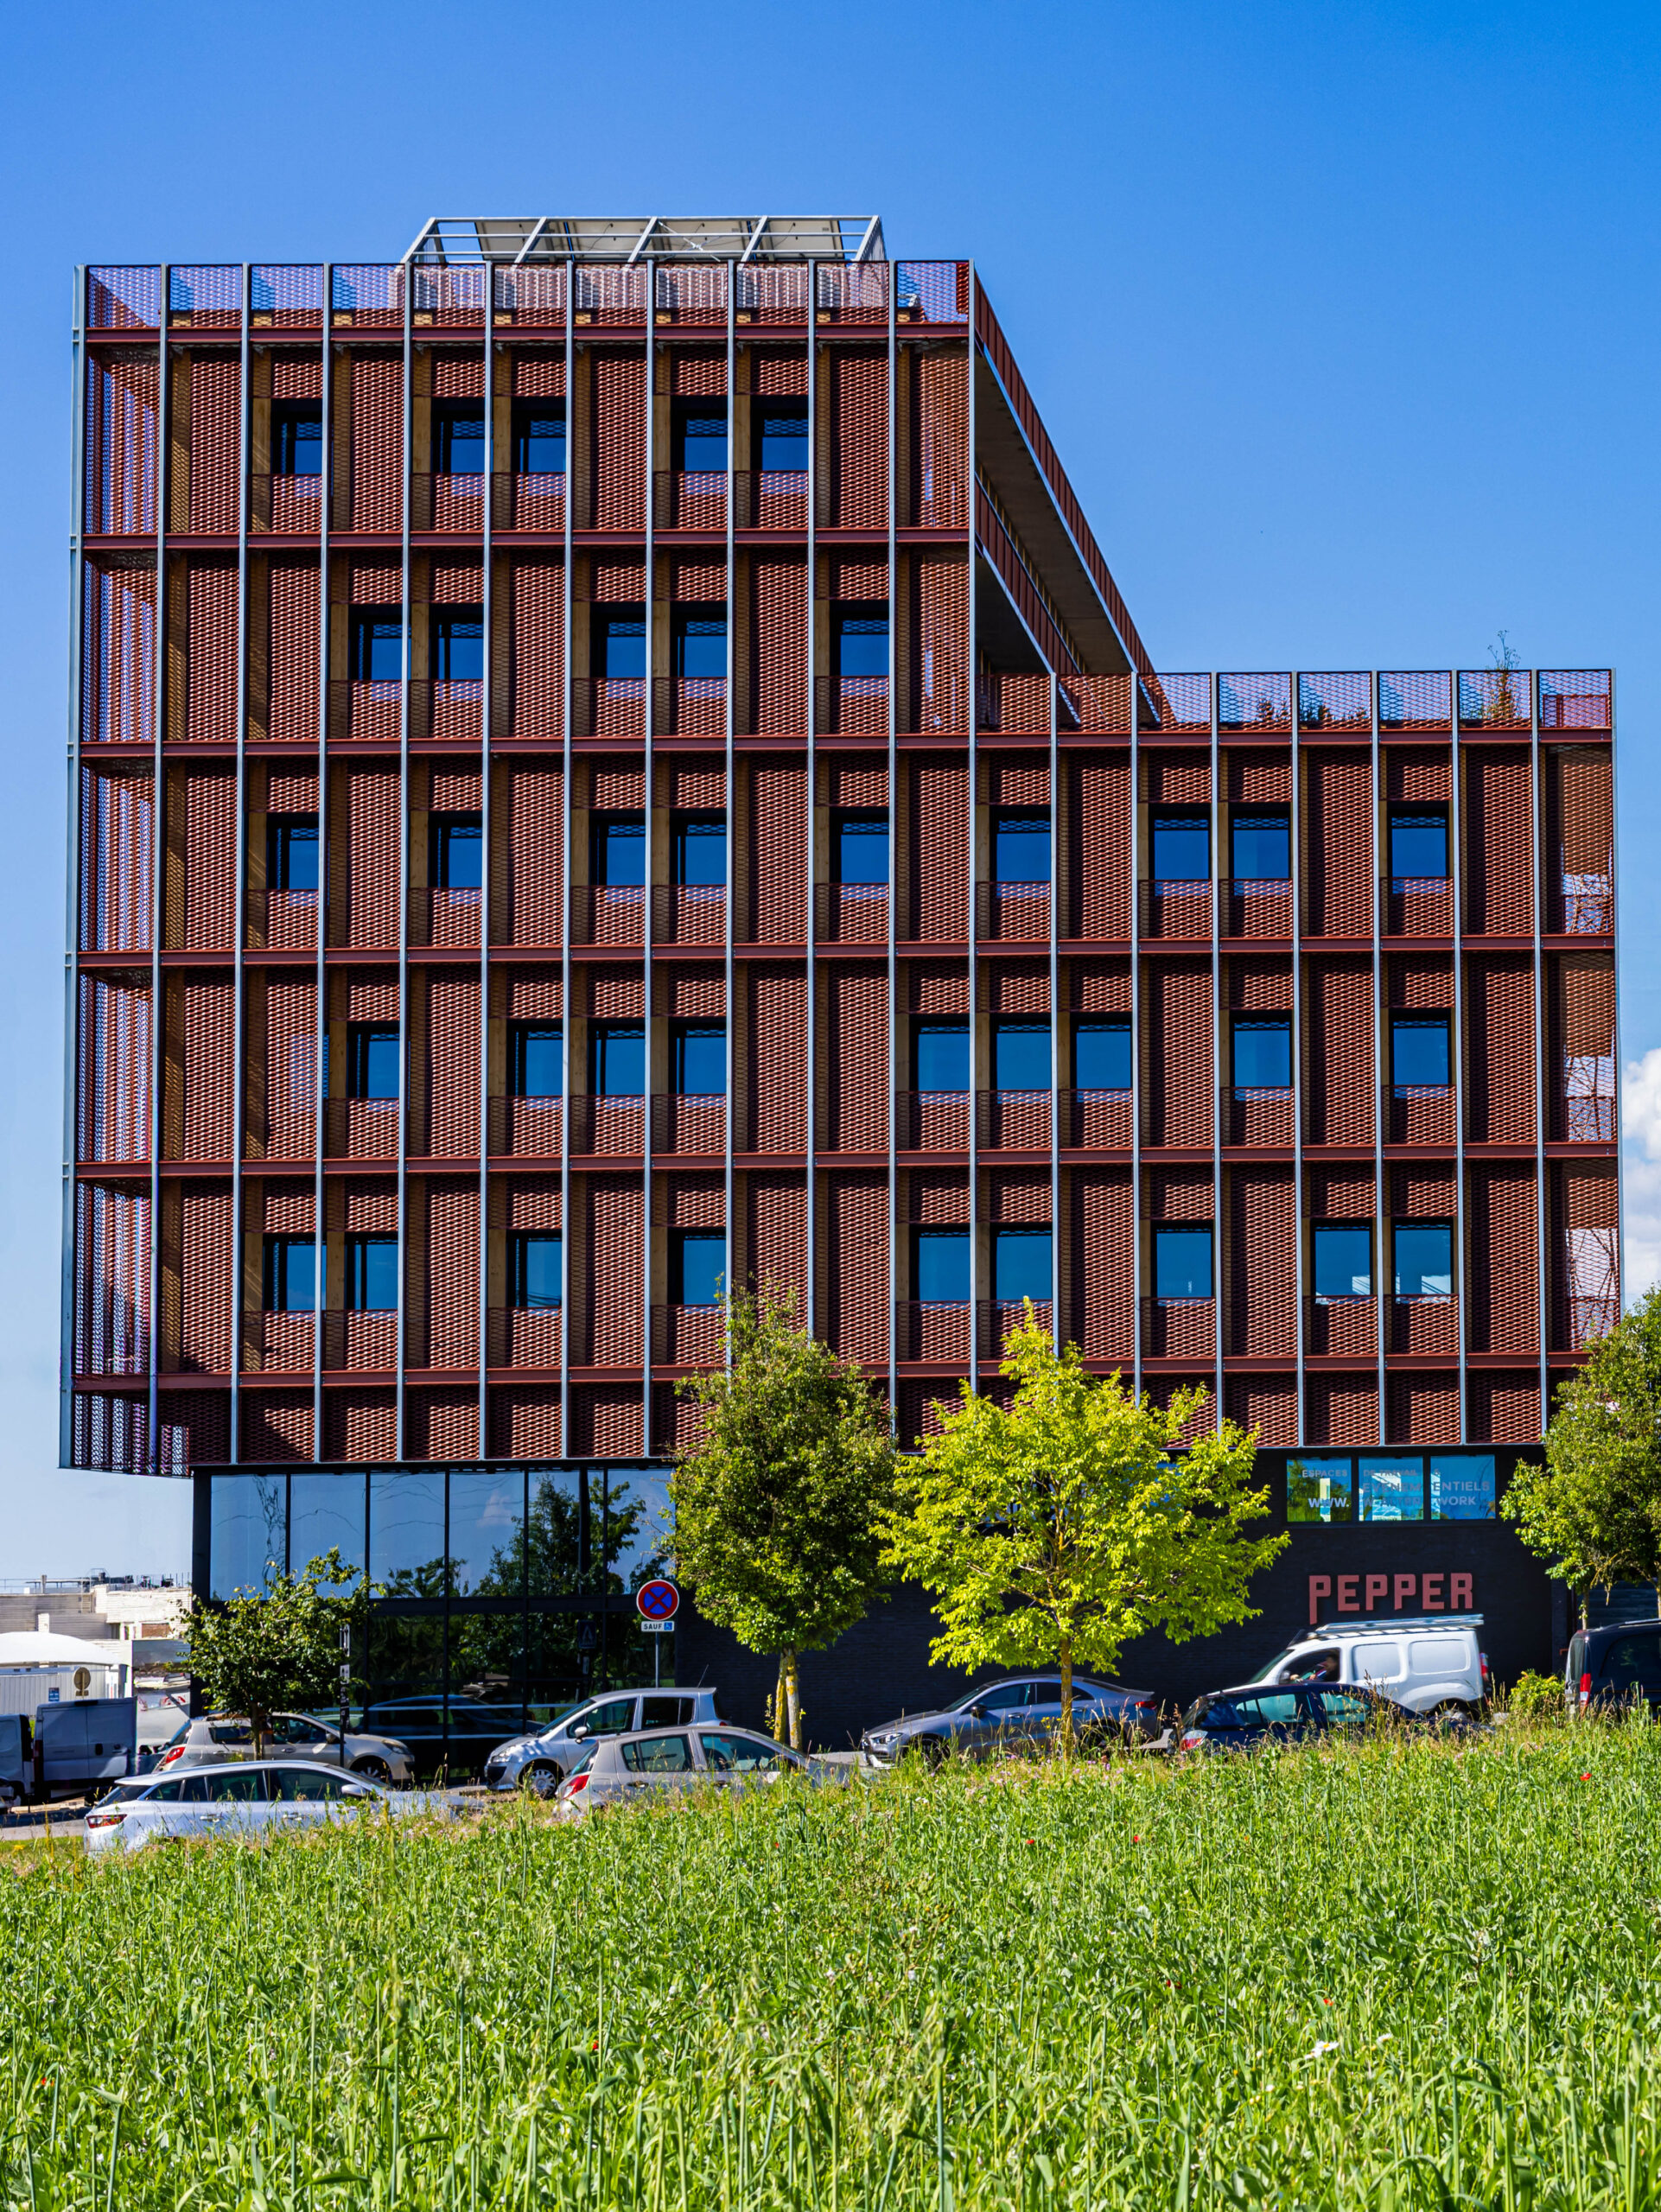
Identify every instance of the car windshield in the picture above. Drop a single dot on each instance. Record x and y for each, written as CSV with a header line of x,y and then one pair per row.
x,y
1268,1674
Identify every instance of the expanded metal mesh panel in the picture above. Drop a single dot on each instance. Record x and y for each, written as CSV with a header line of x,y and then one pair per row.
x,y
1498,830
1423,1408
452,1285
1337,826
117,831
1259,986
678,1424
117,703
286,295
202,859
771,292
938,855
1494,698
1100,1267
215,442
1337,1049
292,712
857,484
851,291
778,856
360,1423
377,472
1502,1272
1575,698
778,1059
618,417
614,1225
1260,1258
534,299
1177,1076
205,296
538,689
114,1062
1581,1064
775,1235
368,295
1162,1390
540,372
692,293
854,1228
853,1062
1584,1254
1254,701
939,646
530,910
111,1432
193,1428
452,1069
1340,1409
1503,1407
1180,700
275,1427
363,901
606,1423
211,710
1578,862
921,1414
123,298
939,439
205,1287
525,1423
112,1263
1418,774
1267,1404
1500,1046
1179,776
201,1018
1414,699
122,395
778,627
1101,986
1340,700
292,1077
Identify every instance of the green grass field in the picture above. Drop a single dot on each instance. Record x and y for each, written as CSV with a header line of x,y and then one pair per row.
x,y
1383,1976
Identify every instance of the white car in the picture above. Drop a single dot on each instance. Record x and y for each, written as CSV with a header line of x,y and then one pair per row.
x,y
244,1801
220,1738
1429,1662
667,1762
540,1760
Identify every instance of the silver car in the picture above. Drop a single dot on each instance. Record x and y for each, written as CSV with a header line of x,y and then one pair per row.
x,y
246,1801
220,1739
668,1761
1023,1713
540,1760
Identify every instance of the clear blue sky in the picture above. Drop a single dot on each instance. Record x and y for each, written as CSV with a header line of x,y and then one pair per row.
x,y
1344,320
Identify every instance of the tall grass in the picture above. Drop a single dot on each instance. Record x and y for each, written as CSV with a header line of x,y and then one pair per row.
x,y
1390,1975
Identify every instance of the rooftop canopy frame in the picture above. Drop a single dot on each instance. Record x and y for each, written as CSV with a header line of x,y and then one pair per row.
x,y
445,240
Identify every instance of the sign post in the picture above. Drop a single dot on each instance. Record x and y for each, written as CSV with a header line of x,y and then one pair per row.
x,y
657,1602
346,1687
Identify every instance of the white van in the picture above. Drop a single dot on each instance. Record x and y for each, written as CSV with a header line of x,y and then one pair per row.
x,y
1431,1662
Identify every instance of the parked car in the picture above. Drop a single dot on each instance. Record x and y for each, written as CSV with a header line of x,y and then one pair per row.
x,y
220,1739
540,1759
1023,1712
474,1731
1614,1666
73,1749
160,1712
1431,1662
665,1761
1235,1721
247,1799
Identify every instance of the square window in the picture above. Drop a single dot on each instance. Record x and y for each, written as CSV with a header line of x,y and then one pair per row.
x,y
617,642
297,437
458,429
1418,842
1320,1489
1021,848
1021,1265
617,851
533,1261
290,1275
536,1059
698,848
1424,1259
372,1059
371,1274
698,638
697,1052
698,1266
1182,1260
698,436
859,638
457,851
1263,1053
1343,1259
1418,1050
1462,1486
376,643
1181,847
941,1051
292,852
860,846
1390,1490
779,434
539,437
1101,1055
618,1049
940,1269
456,643
1020,1056
1261,847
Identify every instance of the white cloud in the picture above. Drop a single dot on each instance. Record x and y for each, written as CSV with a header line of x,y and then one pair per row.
x,y
1641,1166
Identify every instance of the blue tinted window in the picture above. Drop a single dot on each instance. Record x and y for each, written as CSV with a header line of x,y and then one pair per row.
x,y
942,1266
700,642
1020,1056
942,1051
290,1275
1181,847
297,437
1418,1049
699,843
1182,1263
618,642
292,852
539,437
533,1270
458,438
778,433
376,646
617,850
370,1274
458,851
1020,1264
1101,1056
1021,848
1262,1055
859,638
536,1054
699,431
1262,847
1343,1262
372,1065
618,1052
861,844
1418,843
1462,1486
1320,1489
698,1266
698,1057
1424,1259
1390,1489
457,644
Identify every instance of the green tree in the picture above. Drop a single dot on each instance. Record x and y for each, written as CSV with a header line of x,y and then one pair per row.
x,y
1593,1510
779,1509
280,1646
1054,1532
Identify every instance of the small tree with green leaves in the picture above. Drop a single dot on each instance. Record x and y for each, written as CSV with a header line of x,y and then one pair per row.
x,y
1593,1510
280,1646
779,1508
1054,1532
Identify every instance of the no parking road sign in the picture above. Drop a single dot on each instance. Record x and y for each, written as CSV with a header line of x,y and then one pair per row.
x,y
658,1602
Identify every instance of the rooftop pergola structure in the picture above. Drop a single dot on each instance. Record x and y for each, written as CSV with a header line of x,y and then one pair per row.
x,y
446,239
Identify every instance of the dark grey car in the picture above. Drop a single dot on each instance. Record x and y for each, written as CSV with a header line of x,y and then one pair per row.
x,y
1023,1712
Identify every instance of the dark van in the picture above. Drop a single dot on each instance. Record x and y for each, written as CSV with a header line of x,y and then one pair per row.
x,y
1614,1666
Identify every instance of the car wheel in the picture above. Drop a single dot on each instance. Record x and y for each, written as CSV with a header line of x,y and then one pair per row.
x,y
541,1779
374,1771
1450,1712
934,1750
